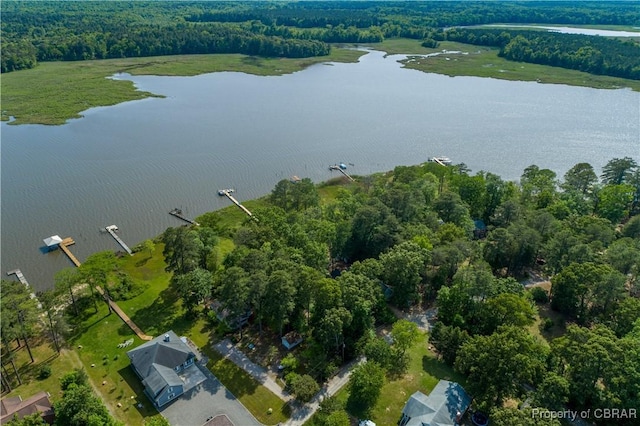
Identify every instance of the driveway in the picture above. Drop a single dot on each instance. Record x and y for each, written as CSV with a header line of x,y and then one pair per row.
x,y
207,399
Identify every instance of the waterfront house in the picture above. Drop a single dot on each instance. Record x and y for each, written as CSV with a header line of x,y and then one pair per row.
x,y
445,406
158,363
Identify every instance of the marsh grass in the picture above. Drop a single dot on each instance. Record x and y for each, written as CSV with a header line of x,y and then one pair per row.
x,y
482,61
54,92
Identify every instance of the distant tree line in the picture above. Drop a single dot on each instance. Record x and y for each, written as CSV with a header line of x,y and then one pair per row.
x,y
71,31
595,55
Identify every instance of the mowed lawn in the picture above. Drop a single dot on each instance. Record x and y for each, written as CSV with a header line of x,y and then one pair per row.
x,y
423,374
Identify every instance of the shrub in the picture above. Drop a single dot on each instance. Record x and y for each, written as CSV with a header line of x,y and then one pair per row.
x,y
45,371
539,295
126,288
547,324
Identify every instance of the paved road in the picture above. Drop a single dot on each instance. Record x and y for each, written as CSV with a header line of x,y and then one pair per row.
x,y
232,353
301,413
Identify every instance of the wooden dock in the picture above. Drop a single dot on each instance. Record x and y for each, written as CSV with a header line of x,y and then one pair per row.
x,y
23,280
63,246
227,193
178,213
112,230
342,171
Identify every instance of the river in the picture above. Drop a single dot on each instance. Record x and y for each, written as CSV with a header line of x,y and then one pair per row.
x,y
131,163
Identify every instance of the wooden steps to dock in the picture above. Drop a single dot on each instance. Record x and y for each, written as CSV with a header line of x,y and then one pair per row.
x,y
124,317
178,213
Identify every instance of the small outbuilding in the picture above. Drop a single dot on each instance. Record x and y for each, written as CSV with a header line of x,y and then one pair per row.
x,y
291,340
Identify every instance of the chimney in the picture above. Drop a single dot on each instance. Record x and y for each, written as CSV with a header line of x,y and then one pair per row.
x,y
166,338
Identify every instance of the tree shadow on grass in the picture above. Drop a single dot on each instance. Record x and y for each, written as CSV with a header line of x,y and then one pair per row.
x,y
233,377
161,315
129,376
358,409
440,370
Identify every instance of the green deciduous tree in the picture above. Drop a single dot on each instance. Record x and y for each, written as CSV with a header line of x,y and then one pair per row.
x,y
507,416
403,268
447,340
507,309
182,249
497,365
587,358
365,386
581,290
304,387
614,201
80,407
193,287
553,392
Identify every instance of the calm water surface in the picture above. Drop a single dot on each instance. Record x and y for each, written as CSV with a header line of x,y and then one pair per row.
x,y
573,30
130,164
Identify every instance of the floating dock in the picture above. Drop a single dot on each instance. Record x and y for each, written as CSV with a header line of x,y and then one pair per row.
x,y
178,213
112,230
23,280
63,246
341,170
227,193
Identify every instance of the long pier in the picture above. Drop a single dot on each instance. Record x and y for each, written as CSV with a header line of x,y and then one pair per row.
x,y
178,213
112,230
63,246
227,193
342,171
23,280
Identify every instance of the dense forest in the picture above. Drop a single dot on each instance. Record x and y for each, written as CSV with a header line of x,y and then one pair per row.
x,y
595,55
440,236
331,263
50,31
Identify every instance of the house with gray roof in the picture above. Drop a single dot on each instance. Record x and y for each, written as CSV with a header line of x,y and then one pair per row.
x,y
445,406
158,363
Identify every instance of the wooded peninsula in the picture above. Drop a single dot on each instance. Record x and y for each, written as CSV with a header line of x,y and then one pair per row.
x,y
533,286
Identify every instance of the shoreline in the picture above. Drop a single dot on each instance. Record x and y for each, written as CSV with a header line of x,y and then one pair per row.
x,y
54,92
